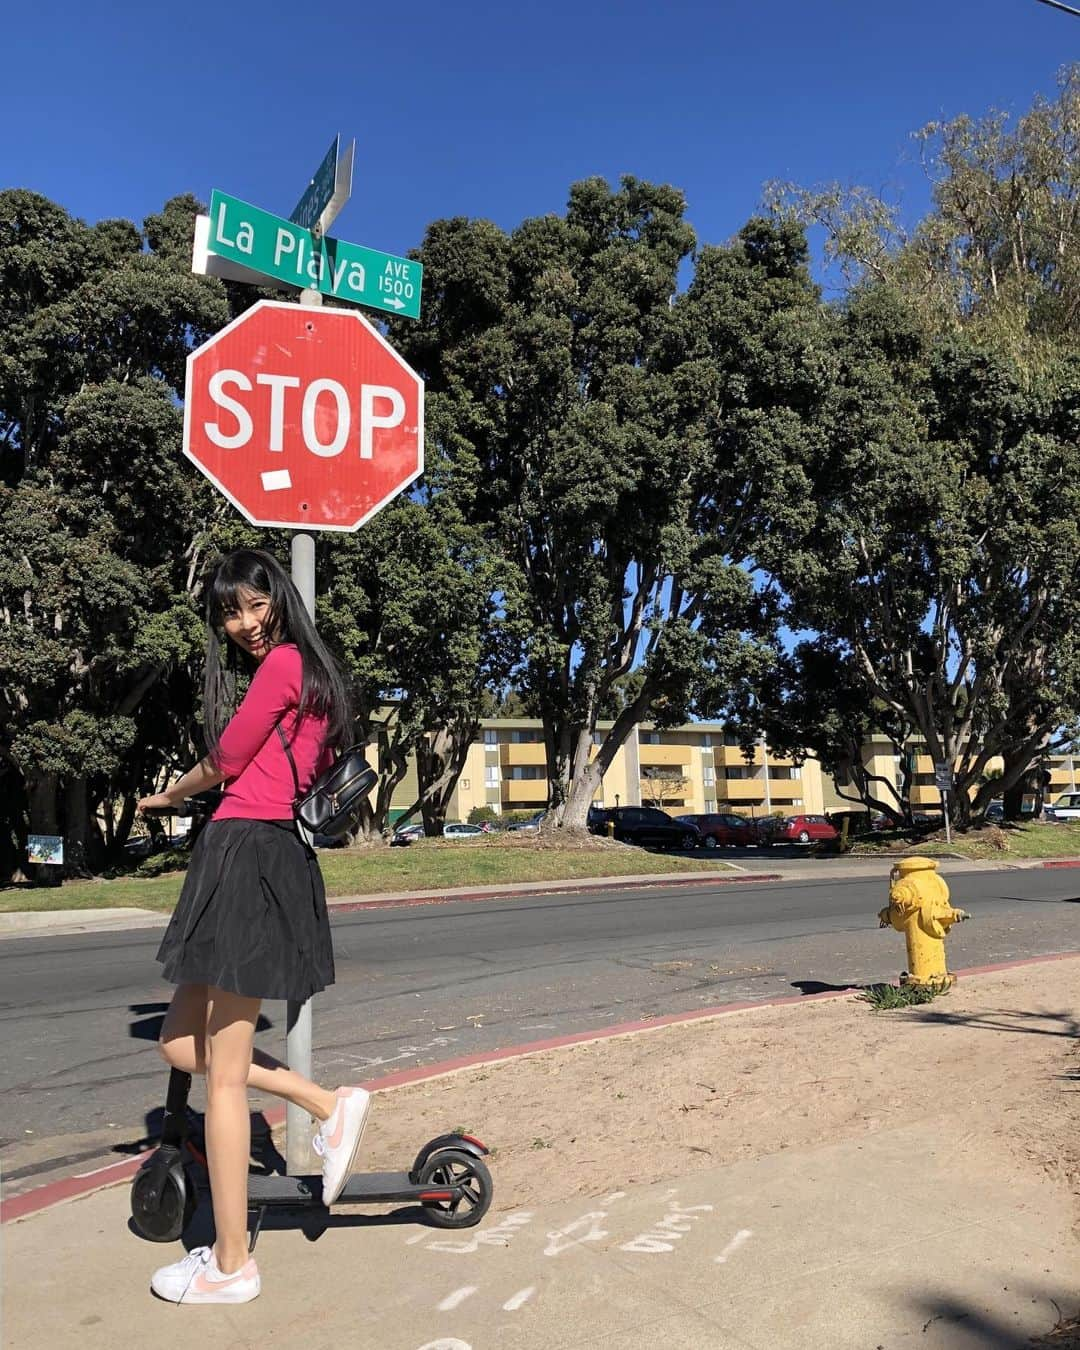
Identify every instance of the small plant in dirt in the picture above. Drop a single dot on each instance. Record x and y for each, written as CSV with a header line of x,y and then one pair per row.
x,y
997,839
542,1143
884,997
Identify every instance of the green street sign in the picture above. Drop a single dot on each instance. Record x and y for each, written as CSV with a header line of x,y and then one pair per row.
x,y
310,207
280,249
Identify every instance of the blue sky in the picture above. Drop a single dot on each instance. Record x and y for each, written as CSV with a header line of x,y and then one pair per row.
x,y
494,109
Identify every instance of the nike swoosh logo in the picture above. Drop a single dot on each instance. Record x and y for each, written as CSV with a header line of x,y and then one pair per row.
x,y
202,1285
334,1139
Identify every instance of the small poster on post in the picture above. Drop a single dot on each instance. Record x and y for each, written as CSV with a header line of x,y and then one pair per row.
x,y
45,848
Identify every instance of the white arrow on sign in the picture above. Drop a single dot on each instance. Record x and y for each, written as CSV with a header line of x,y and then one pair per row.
x,y
393,300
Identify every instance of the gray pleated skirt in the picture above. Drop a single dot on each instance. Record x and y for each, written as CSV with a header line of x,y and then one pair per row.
x,y
251,918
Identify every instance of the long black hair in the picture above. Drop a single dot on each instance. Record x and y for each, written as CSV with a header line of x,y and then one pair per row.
x,y
323,692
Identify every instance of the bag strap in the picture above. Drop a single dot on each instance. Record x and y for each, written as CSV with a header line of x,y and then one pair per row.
x,y
292,763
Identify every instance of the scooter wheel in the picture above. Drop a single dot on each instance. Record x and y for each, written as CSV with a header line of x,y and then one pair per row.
x,y
455,1167
162,1217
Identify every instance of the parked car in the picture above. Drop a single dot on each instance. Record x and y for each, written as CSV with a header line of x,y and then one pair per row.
x,y
530,825
408,834
718,828
456,829
645,825
1067,807
794,829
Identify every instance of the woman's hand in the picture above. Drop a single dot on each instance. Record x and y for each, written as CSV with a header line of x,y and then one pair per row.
x,y
159,801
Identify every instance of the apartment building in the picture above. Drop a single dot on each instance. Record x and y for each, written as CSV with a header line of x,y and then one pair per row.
x,y
879,756
694,768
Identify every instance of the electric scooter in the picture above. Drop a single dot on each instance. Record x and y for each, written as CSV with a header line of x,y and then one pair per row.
x,y
448,1179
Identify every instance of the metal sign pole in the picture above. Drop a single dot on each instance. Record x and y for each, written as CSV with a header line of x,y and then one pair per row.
x,y
298,1123
945,813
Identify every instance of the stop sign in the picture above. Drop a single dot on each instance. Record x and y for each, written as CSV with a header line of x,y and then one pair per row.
x,y
304,417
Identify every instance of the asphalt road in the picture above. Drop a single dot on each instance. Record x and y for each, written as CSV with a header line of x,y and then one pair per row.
x,y
80,1074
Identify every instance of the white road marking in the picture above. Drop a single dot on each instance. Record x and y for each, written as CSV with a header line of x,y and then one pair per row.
x,y
451,1301
521,1297
733,1246
574,1233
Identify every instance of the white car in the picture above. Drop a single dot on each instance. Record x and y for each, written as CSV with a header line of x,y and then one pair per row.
x,y
1067,807
454,829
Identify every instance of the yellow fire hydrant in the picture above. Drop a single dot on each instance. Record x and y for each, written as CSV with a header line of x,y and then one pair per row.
x,y
919,908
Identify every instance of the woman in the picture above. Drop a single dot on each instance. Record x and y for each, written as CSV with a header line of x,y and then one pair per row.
x,y
251,922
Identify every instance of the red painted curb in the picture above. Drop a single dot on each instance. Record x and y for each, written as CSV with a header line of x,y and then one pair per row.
x,y
72,1188
1063,862
557,888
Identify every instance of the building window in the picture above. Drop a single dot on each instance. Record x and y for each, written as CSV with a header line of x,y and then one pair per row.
x,y
708,774
740,771
650,738
710,804
706,740
491,776
491,735
526,736
527,772
730,739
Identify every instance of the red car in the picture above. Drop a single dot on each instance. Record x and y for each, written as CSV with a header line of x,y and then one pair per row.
x,y
722,829
794,830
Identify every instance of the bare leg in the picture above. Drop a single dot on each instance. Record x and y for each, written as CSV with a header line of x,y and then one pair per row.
x,y
182,1046
230,1029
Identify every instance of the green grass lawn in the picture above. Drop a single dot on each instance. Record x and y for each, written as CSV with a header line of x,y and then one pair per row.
x,y
424,866
1030,840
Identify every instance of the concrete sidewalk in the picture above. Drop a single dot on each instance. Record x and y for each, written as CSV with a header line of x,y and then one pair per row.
x,y
933,1225
832,1248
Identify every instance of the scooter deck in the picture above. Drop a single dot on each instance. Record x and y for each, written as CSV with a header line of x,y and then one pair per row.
x,y
364,1188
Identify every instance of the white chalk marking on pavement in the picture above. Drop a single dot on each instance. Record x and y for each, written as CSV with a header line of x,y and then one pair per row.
x,y
565,1238
273,480
452,1301
666,1231
446,1343
499,1236
419,1237
609,1199
743,1235
521,1297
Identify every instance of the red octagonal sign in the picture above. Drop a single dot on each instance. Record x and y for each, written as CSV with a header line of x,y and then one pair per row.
x,y
304,417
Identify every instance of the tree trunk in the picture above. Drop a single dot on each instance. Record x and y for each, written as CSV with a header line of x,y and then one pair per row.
x,y
578,781
42,790
440,758
83,845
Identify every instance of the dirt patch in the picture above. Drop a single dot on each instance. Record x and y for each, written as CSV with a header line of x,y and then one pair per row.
x,y
994,1060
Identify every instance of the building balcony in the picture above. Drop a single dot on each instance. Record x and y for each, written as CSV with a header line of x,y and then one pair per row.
x,y
731,755
664,756
525,753
523,790
740,790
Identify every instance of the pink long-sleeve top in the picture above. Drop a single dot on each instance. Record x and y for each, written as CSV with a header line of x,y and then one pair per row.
x,y
258,780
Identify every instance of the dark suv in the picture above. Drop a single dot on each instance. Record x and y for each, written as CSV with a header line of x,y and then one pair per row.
x,y
644,825
722,829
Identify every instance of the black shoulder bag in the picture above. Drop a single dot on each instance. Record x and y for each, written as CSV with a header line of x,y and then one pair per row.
x,y
332,803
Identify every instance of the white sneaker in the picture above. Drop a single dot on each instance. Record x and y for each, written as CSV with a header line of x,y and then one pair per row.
x,y
337,1139
197,1279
